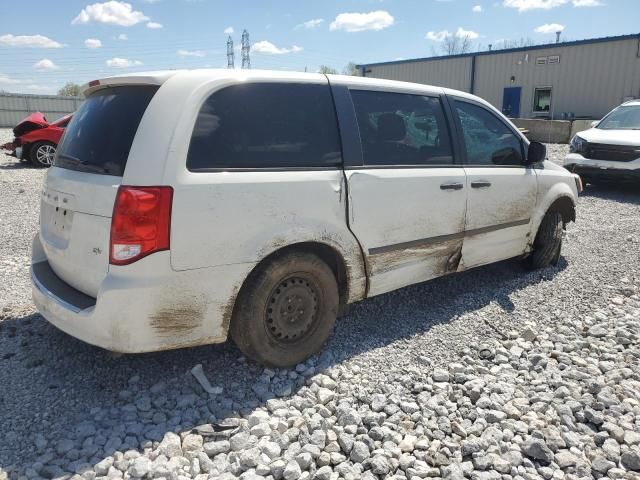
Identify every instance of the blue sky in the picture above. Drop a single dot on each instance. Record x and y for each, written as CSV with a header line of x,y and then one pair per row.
x,y
47,43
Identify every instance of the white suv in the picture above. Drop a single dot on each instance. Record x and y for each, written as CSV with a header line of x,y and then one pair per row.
x,y
610,150
185,206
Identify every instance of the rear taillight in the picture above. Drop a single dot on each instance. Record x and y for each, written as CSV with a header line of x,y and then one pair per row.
x,y
140,224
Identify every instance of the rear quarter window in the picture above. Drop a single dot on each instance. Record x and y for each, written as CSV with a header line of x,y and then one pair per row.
x,y
266,125
99,137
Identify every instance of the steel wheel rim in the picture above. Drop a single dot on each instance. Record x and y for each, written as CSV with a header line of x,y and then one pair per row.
x,y
292,310
45,154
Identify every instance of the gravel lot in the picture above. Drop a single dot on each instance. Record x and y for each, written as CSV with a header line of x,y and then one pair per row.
x,y
496,373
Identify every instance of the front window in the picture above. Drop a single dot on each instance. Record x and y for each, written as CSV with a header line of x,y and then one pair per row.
x,y
622,118
487,140
542,100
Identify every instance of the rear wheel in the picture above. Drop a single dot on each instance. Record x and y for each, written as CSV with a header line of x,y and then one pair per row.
x,y
286,311
548,242
42,154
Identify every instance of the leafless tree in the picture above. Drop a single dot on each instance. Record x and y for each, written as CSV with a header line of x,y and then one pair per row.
x,y
327,69
70,90
351,69
455,45
522,42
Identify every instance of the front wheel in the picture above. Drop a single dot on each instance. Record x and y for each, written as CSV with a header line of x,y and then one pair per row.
x,y
42,154
548,241
286,311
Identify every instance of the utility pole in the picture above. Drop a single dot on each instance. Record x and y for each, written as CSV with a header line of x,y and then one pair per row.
x,y
246,61
230,53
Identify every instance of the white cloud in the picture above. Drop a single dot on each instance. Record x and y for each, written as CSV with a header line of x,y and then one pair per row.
x,y
437,36
112,13
524,5
7,80
460,33
477,9
45,64
228,30
92,43
313,23
39,88
470,34
23,84
587,3
123,36
31,41
117,62
358,22
190,53
154,25
549,28
269,48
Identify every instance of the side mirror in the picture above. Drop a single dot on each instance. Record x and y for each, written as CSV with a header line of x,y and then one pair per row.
x,y
537,152
595,123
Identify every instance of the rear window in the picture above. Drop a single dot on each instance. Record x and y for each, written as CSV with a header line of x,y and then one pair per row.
x,y
266,125
99,137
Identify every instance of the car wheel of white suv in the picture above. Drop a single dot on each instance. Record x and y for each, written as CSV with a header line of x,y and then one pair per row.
x,y
548,242
286,310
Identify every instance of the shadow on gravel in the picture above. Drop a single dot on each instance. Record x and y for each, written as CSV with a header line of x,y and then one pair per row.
x,y
16,165
625,193
56,386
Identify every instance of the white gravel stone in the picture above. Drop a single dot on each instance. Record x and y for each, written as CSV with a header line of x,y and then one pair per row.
x,y
291,471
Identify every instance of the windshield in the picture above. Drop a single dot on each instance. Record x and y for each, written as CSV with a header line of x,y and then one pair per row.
x,y
99,137
622,118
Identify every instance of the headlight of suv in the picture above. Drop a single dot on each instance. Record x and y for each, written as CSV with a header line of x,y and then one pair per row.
x,y
578,144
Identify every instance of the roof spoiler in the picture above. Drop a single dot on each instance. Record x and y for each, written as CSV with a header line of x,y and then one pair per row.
x,y
147,78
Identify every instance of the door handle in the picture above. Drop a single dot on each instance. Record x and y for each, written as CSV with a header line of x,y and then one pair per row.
x,y
481,184
452,186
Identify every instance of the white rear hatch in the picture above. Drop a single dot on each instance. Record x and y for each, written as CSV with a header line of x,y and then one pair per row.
x,y
80,189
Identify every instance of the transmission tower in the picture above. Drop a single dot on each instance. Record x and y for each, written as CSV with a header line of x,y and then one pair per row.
x,y
246,61
230,53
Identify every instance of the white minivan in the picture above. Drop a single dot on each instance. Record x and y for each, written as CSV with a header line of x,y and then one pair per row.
x,y
186,206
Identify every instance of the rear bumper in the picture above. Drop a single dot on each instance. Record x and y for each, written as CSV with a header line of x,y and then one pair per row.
x,y
146,309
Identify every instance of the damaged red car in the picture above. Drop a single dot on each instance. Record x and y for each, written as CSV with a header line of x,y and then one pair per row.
x,y
36,139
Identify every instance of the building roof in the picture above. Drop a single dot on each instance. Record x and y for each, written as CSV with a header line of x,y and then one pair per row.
x,y
507,50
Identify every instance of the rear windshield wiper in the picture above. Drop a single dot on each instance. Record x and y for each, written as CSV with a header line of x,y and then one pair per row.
x,y
84,163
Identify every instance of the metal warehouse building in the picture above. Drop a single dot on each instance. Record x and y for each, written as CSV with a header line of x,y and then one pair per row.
x,y
581,79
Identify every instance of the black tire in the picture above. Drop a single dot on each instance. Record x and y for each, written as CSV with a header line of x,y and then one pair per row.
x,y
41,154
286,310
548,242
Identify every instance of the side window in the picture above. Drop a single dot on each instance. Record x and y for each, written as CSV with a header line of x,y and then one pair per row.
x,y
402,129
266,125
488,141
